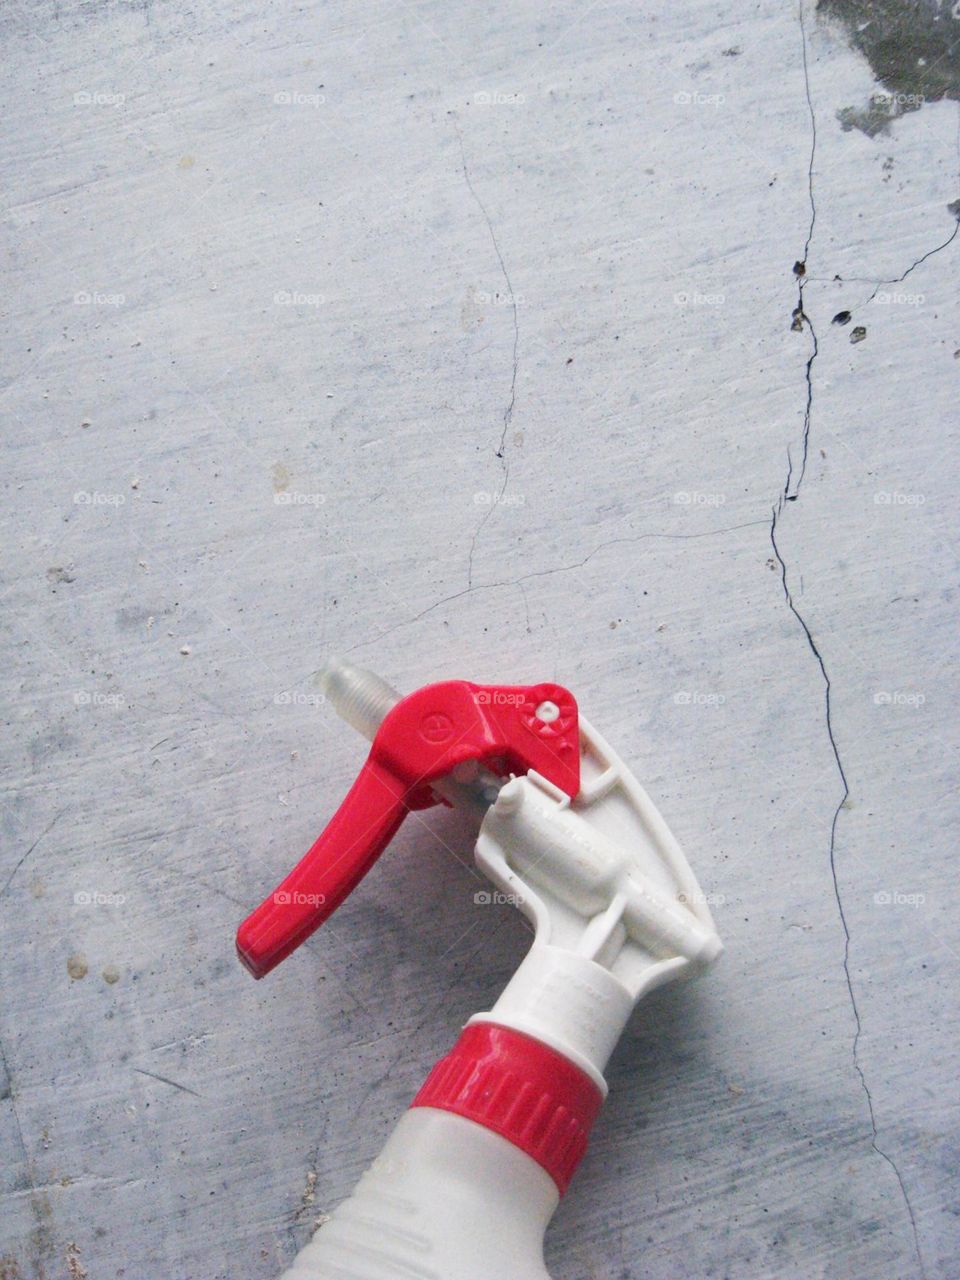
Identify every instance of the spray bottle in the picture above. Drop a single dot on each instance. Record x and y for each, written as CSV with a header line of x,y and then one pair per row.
x,y
473,1172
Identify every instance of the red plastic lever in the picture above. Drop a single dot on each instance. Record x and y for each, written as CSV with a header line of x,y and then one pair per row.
x,y
423,738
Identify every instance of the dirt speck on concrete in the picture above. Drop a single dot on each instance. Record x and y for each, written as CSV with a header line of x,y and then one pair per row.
x,y
77,966
75,1268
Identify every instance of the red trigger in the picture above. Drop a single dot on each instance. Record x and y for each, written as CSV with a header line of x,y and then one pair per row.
x,y
510,728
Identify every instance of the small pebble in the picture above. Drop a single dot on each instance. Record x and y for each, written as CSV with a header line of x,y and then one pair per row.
x,y
185,650
858,334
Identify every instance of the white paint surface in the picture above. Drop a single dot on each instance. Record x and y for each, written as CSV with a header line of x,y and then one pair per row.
x,y
505,229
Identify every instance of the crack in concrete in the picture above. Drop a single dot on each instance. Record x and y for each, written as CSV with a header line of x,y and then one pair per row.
x,y
545,573
878,284
929,254
800,316
807,413
512,400
828,689
790,493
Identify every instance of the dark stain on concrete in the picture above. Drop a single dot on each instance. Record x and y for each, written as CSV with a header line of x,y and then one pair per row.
x,y
913,47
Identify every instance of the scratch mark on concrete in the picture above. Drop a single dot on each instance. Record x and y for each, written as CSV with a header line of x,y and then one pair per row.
x,y
43,834
166,1080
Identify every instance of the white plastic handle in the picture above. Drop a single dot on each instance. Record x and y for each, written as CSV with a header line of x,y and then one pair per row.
x,y
446,1200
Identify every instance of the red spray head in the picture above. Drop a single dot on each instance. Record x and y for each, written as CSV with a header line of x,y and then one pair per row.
x,y
418,742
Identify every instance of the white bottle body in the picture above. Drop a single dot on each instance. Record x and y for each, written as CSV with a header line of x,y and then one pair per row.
x,y
446,1199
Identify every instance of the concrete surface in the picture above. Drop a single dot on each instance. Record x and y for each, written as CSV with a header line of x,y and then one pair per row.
x,y
467,340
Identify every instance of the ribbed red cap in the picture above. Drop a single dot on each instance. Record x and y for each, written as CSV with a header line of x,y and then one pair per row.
x,y
520,1088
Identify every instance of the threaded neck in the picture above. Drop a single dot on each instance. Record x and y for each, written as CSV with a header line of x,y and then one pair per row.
x,y
358,696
